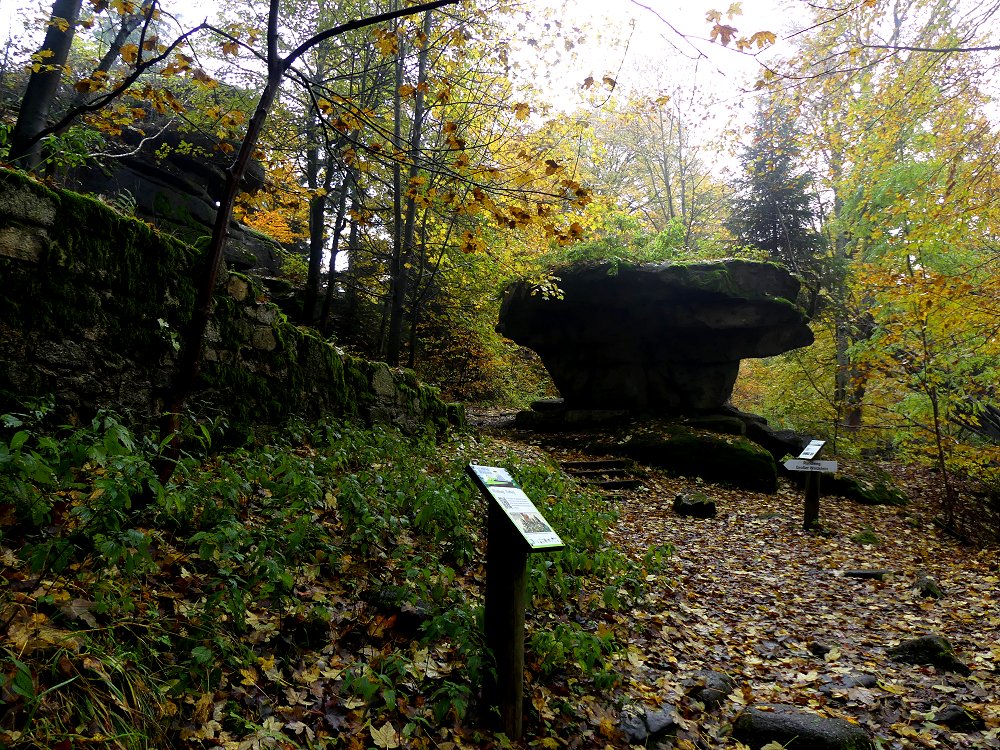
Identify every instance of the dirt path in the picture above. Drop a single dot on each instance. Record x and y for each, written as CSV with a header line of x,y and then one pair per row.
x,y
751,594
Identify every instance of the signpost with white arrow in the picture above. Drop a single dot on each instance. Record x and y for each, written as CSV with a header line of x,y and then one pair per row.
x,y
813,467
820,467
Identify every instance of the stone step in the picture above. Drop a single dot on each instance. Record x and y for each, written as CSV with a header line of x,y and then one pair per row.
x,y
615,484
607,463
608,475
598,473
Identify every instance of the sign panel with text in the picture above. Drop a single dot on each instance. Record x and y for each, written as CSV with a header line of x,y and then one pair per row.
x,y
499,485
812,450
820,467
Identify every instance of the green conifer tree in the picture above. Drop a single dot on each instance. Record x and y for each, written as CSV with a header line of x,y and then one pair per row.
x,y
773,210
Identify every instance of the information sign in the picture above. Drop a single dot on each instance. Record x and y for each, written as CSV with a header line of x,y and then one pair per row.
x,y
822,467
517,506
812,450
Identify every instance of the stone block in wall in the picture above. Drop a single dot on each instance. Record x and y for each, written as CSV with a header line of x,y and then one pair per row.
x,y
26,206
383,384
237,287
22,243
263,339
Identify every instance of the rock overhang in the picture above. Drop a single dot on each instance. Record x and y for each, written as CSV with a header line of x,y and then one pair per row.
x,y
663,336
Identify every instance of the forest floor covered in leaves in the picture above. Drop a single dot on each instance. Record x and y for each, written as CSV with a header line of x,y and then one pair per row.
x,y
324,588
751,594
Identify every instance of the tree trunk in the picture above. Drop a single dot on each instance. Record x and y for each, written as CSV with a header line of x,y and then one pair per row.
x,y
317,233
26,146
128,25
194,339
316,156
193,345
392,320
331,279
404,249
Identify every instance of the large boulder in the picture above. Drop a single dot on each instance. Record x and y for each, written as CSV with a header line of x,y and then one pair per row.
x,y
725,459
658,336
931,650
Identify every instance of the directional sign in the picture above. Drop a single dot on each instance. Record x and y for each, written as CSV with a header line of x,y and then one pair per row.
x,y
823,467
812,450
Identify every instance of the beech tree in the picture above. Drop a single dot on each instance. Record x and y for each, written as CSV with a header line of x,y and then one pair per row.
x,y
278,65
649,156
905,154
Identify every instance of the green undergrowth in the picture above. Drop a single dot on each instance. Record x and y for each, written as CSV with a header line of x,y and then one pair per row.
x,y
306,591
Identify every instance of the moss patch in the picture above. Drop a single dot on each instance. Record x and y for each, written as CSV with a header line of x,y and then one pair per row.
x,y
865,484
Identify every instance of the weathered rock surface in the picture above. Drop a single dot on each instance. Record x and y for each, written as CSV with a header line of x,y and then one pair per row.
x,y
658,336
926,586
959,719
818,648
174,179
796,729
726,459
94,320
641,726
711,688
779,443
848,685
866,484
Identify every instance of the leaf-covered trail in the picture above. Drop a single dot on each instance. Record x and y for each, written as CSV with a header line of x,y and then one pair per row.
x,y
749,592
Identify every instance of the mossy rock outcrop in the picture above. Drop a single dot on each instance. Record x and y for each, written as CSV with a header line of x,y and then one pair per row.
x,y
94,305
661,338
866,484
722,459
932,650
793,728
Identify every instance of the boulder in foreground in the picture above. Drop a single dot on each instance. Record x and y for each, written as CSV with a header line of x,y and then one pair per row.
x,y
796,729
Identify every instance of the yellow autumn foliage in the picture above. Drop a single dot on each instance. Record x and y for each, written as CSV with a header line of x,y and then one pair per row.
x,y
274,224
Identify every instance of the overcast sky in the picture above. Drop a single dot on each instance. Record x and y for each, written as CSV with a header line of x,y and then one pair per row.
x,y
648,46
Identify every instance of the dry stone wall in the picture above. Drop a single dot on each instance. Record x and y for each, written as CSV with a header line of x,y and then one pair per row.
x,y
93,303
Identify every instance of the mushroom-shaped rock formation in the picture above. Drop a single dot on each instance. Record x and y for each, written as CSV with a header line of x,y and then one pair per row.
x,y
662,337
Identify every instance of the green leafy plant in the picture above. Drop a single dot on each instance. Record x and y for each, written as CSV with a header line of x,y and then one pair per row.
x,y
570,644
74,147
252,557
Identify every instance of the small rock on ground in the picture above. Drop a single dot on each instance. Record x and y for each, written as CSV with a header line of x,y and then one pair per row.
x,y
931,650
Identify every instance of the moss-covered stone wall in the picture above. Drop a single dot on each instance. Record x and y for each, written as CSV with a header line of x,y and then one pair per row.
x,y
92,304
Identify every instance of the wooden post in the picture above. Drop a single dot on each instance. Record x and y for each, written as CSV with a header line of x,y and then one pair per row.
x,y
514,528
506,576
810,518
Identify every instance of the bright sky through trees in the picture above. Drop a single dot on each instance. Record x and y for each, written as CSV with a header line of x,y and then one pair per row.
x,y
615,38
646,47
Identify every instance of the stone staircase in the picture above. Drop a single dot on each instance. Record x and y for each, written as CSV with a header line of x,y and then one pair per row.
x,y
610,476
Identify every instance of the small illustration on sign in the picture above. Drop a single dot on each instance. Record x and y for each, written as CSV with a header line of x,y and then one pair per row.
x,y
494,476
